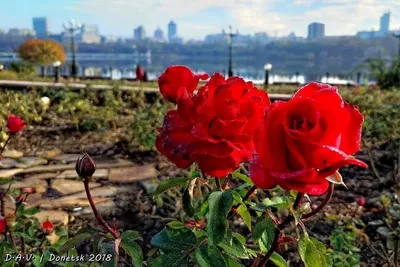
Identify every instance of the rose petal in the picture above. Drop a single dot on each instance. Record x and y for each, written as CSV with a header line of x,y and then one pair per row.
x,y
259,176
351,134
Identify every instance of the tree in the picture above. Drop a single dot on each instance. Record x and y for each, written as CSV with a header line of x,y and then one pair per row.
x,y
387,76
41,52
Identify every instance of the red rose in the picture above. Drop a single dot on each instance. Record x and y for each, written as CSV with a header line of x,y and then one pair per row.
x,y
47,226
360,201
3,225
176,77
306,139
15,124
214,127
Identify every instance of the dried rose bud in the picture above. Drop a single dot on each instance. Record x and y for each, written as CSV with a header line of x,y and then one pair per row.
x,y
3,225
360,201
85,166
28,190
47,226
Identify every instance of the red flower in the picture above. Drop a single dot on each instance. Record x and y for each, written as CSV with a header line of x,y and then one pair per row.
x,y
360,201
3,225
214,127
47,226
28,190
176,77
306,139
15,124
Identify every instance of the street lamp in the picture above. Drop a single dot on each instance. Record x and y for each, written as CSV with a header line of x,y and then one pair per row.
x,y
397,35
230,39
267,68
73,26
56,66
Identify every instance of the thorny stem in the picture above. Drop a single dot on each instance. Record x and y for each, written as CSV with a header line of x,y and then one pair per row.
x,y
262,260
98,216
218,183
323,203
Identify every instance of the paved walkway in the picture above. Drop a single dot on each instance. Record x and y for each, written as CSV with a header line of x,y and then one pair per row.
x,y
59,191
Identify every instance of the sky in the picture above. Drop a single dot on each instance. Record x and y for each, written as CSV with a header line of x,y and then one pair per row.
x,y
196,18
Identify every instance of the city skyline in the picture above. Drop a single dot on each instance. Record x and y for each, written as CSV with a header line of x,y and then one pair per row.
x,y
208,18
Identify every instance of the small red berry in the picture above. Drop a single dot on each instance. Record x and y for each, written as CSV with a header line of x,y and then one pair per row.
x,y
15,124
47,226
3,225
360,201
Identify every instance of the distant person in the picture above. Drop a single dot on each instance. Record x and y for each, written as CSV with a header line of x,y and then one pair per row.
x,y
139,73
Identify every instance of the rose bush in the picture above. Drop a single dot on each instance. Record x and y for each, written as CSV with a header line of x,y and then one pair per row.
x,y
214,127
306,139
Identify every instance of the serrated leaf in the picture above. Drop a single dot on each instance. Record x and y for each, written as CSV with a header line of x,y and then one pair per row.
x,y
263,224
245,214
310,254
174,239
209,256
169,183
234,248
170,260
220,203
134,251
244,178
176,225
73,242
278,260
187,199
231,262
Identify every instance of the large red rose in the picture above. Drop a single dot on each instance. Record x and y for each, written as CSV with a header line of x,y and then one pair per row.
x,y
214,127
176,77
306,139
15,124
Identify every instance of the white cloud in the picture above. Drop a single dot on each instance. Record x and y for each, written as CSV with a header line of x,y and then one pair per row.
x,y
340,16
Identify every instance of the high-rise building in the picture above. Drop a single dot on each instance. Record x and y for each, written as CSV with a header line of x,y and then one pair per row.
x,y
139,33
316,30
40,26
89,34
172,30
159,35
385,22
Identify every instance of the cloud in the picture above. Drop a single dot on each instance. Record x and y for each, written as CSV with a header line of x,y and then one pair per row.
x,y
342,17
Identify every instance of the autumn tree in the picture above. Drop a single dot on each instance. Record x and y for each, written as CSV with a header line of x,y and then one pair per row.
x,y
42,52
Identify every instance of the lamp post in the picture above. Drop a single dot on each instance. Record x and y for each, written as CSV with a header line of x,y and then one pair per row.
x,y
267,68
397,35
56,66
230,39
73,26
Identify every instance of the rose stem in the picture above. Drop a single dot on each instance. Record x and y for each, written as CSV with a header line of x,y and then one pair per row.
x,y
96,212
260,260
245,198
218,183
5,144
323,203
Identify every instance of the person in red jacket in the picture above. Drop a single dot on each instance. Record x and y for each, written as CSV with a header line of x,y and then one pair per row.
x,y
139,73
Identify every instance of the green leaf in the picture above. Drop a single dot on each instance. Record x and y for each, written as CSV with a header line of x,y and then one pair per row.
x,y
244,178
61,231
108,249
169,183
231,262
203,210
128,243
38,261
73,242
170,260
278,260
245,214
176,225
134,251
220,204
187,199
209,257
310,253
31,211
234,248
174,239
263,224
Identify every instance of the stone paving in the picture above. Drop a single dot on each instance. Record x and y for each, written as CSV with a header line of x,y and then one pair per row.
x,y
59,191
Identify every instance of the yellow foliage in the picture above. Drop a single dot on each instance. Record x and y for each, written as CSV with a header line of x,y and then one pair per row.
x,y
43,52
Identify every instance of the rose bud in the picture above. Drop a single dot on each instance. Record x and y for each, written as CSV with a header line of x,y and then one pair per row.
x,y
360,201
15,124
47,226
85,166
19,199
28,190
3,225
